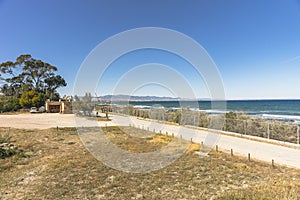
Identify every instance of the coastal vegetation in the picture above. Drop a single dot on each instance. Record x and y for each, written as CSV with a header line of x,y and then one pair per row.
x,y
7,149
58,166
28,82
236,122
85,104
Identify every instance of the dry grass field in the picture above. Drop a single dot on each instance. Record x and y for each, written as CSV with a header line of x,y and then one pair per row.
x,y
53,164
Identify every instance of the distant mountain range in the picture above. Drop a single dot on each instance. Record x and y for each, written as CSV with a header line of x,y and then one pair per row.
x,y
136,98
122,97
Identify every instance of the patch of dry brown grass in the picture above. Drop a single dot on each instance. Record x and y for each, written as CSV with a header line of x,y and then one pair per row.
x,y
57,166
103,119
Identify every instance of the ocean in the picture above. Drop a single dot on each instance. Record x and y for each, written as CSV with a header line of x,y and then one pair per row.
x,y
287,110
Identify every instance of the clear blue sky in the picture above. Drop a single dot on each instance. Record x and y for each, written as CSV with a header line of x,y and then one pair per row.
x,y
255,44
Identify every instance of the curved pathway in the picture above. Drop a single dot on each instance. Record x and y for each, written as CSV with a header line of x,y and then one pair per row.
x,y
242,146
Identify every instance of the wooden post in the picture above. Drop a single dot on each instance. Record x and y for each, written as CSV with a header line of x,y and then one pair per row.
x,y
248,156
217,148
231,152
273,165
160,131
298,135
268,130
57,128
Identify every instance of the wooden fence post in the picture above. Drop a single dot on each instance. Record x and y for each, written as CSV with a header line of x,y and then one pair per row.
x,y
268,130
298,135
248,156
245,127
231,152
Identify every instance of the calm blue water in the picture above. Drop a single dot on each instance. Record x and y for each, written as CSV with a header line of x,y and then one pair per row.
x,y
270,109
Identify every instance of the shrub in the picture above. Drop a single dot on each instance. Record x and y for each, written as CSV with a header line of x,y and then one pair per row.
x,y
5,139
8,104
6,151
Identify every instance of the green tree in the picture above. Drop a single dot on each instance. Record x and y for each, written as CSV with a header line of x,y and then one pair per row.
x,y
177,118
32,98
26,74
84,104
9,104
54,82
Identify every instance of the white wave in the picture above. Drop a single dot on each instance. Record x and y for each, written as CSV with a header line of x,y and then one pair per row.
x,y
199,110
142,107
214,111
194,109
174,108
281,117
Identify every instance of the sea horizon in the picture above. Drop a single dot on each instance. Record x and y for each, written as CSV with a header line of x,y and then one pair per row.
x,y
158,97
279,109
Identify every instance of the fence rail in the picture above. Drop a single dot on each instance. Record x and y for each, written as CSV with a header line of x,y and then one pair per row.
x,y
269,129
275,130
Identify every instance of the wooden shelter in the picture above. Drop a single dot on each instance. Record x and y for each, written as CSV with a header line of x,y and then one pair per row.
x,y
64,107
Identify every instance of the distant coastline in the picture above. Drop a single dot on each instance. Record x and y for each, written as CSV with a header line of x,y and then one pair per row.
x,y
121,97
279,109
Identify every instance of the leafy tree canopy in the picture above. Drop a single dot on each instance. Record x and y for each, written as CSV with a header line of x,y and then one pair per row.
x,y
32,98
29,74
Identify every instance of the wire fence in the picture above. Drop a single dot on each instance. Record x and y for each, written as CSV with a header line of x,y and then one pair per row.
x,y
277,130
230,122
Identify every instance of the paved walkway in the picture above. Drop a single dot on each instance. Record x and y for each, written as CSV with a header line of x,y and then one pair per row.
x,y
242,146
258,150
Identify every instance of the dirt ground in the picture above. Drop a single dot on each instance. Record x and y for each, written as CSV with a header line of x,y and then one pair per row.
x,y
54,164
42,120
